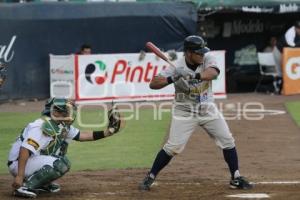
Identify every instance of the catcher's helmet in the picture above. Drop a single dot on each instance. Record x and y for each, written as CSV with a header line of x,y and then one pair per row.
x,y
195,44
66,107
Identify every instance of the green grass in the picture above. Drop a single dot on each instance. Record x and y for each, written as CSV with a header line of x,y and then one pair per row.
x,y
294,110
134,147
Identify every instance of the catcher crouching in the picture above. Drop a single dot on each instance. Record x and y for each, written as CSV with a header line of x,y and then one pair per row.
x,y
38,156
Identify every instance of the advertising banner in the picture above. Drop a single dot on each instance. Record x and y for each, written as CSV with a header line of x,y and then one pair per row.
x,y
62,76
291,71
123,77
219,84
120,77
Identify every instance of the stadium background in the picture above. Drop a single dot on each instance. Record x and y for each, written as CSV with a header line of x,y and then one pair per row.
x,y
269,148
37,29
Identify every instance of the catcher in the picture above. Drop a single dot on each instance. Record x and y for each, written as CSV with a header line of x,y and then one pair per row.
x,y
38,156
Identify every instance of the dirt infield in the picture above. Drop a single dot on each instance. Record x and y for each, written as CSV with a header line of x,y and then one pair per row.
x,y
268,152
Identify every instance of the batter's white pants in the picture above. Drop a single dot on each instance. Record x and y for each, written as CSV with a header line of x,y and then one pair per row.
x,y
183,124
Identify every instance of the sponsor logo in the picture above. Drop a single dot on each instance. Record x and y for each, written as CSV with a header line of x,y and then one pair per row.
x,y
6,51
61,71
238,27
288,8
125,72
98,68
257,9
122,71
292,68
33,143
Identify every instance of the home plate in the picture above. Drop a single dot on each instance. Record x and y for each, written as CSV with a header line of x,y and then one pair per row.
x,y
249,196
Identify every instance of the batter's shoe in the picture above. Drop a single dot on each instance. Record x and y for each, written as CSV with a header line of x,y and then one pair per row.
x,y
147,182
24,192
240,183
51,188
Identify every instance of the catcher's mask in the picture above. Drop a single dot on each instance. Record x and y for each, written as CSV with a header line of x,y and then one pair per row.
x,y
61,110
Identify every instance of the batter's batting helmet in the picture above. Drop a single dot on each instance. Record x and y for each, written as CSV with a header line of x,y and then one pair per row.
x,y
195,44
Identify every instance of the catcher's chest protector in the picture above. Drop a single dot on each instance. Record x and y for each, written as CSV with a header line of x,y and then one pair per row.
x,y
56,147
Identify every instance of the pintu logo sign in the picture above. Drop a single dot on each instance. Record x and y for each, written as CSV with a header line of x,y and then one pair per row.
x,y
99,68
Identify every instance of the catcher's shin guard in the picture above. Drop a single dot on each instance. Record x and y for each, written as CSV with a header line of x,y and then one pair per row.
x,y
47,174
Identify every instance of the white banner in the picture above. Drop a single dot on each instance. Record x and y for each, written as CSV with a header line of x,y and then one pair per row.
x,y
62,76
219,84
123,77
119,76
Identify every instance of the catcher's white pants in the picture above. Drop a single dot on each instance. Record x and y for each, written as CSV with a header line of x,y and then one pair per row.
x,y
34,163
184,123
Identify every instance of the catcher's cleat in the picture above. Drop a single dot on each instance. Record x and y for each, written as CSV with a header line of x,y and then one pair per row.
x,y
240,183
24,192
51,188
147,182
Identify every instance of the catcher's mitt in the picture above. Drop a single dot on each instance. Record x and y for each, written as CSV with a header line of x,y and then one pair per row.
x,y
114,120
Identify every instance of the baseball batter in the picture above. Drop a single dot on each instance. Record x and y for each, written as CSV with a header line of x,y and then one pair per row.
x,y
194,106
38,156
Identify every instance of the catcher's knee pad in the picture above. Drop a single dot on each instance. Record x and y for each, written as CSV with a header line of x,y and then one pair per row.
x,y
47,173
172,149
62,165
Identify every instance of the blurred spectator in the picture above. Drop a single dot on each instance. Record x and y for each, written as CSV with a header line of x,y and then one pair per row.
x,y
142,55
291,37
85,49
271,44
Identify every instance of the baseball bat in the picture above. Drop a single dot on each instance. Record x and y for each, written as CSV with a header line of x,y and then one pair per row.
x,y
153,48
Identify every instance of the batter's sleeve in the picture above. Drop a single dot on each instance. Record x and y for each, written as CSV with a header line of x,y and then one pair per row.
x,y
211,61
168,71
